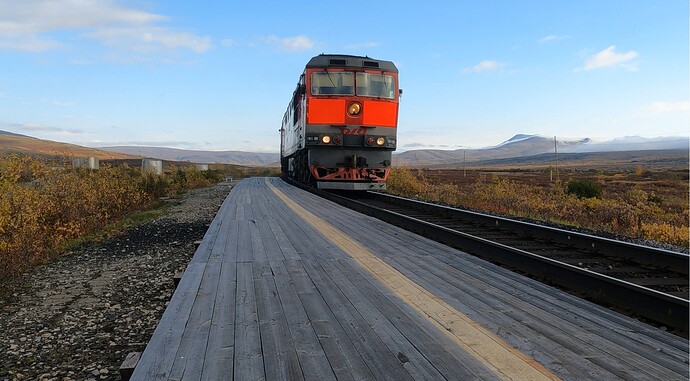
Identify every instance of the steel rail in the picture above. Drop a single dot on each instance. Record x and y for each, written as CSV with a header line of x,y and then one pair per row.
x,y
667,310
645,255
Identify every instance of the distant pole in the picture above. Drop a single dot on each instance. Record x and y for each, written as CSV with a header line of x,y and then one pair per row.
x,y
464,161
555,150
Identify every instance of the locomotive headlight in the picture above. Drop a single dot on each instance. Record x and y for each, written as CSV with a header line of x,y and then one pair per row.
x,y
354,109
325,139
380,140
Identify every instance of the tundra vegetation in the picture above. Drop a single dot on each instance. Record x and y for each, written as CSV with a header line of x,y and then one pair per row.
x,y
637,203
46,207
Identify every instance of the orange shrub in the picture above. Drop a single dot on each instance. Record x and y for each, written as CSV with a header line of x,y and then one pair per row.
x,y
636,213
43,205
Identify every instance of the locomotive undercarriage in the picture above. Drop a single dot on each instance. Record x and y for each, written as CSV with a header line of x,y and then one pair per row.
x,y
329,169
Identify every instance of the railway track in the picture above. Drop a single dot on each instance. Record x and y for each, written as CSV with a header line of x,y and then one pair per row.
x,y
645,282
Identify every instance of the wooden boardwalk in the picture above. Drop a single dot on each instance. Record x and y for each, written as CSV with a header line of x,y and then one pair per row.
x,y
287,286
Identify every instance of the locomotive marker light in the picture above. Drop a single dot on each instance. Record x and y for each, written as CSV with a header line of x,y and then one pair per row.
x,y
370,141
380,141
354,109
326,139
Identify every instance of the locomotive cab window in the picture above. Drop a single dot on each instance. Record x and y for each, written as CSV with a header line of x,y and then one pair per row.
x,y
332,83
375,85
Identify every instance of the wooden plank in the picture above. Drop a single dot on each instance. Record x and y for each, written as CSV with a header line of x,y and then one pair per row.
x,y
289,251
189,359
248,356
248,209
158,357
303,237
313,360
448,358
321,315
565,326
221,342
525,321
127,366
218,249
272,249
381,361
521,332
239,211
231,250
279,354
628,330
510,321
257,243
244,242
342,355
208,241
262,237
480,344
415,362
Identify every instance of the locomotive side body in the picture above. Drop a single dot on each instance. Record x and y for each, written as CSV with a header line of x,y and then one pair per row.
x,y
340,128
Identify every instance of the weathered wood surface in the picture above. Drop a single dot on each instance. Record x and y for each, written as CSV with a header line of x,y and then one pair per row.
x,y
267,296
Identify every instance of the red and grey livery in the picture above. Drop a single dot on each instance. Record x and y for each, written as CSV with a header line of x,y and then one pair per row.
x,y
339,130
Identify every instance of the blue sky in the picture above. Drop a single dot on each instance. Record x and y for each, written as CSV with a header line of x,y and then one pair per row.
x,y
218,75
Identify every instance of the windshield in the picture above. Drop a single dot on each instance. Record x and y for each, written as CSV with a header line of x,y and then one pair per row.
x,y
375,85
336,83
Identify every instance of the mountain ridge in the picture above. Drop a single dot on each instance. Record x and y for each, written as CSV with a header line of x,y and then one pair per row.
x,y
197,156
520,148
524,145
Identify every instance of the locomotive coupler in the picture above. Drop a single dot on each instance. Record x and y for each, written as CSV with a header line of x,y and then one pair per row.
x,y
355,161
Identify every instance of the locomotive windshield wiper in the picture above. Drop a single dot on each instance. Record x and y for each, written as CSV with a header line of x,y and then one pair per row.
x,y
385,85
329,78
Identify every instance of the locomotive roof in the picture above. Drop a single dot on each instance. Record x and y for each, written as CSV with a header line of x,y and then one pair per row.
x,y
340,60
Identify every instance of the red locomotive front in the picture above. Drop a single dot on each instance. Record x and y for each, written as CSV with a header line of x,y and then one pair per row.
x,y
339,130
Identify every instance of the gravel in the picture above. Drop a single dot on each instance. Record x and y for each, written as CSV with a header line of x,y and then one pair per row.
x,y
78,317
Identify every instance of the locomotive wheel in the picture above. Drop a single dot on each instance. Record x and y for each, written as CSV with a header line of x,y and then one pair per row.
x,y
303,173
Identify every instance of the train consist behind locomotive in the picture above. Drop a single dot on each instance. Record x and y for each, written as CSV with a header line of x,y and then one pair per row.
x,y
339,130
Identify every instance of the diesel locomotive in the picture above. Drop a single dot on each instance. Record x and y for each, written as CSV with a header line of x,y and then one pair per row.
x,y
339,130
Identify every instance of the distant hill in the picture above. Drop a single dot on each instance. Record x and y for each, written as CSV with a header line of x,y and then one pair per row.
x,y
523,147
657,159
209,157
16,143
520,150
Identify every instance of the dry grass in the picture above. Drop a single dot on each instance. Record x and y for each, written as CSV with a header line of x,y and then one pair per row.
x,y
637,204
44,205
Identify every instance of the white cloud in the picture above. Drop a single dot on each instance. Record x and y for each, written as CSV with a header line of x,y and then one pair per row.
x,y
228,42
552,37
610,58
36,16
297,43
50,129
34,127
151,38
28,25
484,66
28,43
665,107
